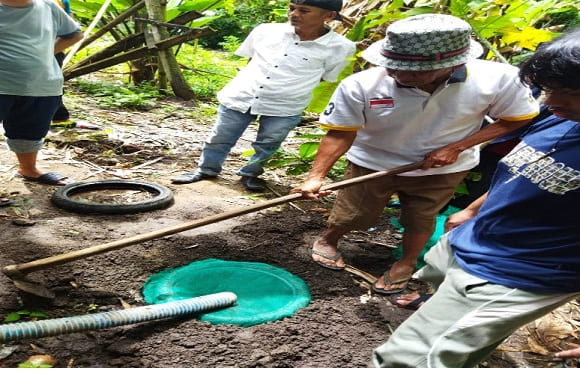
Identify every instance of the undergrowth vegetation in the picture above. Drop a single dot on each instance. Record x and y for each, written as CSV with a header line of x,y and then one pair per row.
x,y
509,30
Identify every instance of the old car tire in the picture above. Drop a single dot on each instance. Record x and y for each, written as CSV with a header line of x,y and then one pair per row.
x,y
163,197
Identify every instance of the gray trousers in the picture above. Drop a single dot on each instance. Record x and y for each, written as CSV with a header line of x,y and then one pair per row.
x,y
464,321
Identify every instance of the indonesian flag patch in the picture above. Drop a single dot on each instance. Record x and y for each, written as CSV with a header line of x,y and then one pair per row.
x,y
378,103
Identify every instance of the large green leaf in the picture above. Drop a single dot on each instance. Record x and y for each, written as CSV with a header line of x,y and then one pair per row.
x,y
323,92
307,150
528,37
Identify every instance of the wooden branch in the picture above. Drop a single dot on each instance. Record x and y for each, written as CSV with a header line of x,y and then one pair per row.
x,y
125,44
77,46
186,17
120,18
128,43
137,53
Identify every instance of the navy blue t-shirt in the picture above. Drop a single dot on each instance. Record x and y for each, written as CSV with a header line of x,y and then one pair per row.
x,y
527,233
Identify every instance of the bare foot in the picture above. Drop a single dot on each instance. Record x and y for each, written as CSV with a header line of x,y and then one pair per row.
x,y
327,255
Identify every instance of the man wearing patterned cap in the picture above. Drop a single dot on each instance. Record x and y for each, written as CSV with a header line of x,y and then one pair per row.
x,y
424,101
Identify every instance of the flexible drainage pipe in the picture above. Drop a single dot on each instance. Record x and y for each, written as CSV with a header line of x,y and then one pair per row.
x,y
51,327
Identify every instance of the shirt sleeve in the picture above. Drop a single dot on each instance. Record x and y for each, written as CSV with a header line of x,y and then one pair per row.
x,y
345,110
336,64
247,49
515,101
66,26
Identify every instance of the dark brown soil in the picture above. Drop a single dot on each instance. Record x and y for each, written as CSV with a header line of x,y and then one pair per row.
x,y
339,328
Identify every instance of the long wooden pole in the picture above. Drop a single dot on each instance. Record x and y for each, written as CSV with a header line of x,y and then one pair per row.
x,y
20,269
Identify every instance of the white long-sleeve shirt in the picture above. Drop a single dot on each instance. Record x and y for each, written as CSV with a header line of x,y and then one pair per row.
x,y
283,70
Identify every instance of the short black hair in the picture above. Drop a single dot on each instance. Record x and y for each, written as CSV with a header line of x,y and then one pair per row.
x,y
555,64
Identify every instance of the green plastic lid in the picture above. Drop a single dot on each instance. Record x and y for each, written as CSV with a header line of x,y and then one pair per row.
x,y
265,292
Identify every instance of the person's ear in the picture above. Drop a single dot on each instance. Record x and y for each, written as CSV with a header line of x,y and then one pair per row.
x,y
329,16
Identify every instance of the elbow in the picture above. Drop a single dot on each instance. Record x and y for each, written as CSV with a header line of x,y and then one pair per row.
x,y
78,37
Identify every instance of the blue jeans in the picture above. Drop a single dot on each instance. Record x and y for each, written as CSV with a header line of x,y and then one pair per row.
x,y
230,126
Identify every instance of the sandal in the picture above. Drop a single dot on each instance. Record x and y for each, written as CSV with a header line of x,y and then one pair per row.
x,y
404,281
51,179
328,257
413,305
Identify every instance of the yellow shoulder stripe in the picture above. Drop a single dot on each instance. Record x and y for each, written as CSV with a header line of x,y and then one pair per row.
x,y
521,118
339,128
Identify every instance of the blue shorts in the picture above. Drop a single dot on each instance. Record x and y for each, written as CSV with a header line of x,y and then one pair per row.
x,y
27,117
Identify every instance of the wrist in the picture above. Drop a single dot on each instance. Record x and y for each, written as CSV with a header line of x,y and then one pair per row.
x,y
315,177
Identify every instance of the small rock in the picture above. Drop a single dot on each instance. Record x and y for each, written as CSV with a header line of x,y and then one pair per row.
x,y
23,222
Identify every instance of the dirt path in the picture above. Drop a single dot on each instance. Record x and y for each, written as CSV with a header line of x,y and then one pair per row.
x,y
339,328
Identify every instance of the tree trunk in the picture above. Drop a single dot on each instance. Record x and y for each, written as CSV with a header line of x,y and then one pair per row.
x,y
143,69
156,11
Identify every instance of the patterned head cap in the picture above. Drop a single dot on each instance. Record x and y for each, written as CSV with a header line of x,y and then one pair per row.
x,y
424,42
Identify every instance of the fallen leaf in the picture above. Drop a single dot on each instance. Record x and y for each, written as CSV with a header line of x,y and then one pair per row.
x,y
38,360
125,304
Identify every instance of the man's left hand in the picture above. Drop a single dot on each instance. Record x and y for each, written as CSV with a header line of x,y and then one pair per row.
x,y
440,157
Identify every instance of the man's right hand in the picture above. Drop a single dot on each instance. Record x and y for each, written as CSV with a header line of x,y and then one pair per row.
x,y
310,189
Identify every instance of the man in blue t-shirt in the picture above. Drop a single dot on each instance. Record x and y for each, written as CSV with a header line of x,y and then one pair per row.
x,y
512,255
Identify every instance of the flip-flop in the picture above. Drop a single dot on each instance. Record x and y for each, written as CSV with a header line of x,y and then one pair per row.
x,y
328,257
191,177
388,282
5,201
52,179
413,305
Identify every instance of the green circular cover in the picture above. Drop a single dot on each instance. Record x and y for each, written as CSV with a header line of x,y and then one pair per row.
x,y
265,292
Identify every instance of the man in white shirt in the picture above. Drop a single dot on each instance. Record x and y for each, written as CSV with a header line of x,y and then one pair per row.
x,y
425,100
287,61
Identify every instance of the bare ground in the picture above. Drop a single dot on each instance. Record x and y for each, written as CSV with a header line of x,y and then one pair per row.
x,y
339,328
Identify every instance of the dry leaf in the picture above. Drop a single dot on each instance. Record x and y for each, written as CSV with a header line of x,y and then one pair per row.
x,y
125,304
42,360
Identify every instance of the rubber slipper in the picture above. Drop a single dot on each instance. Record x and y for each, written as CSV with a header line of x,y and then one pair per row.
x,y
388,282
191,177
413,305
328,257
52,179
5,202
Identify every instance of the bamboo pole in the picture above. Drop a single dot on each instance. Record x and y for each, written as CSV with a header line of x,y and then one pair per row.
x,y
77,46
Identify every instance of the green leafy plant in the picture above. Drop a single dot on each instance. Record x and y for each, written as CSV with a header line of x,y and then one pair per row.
x,y
208,71
230,43
121,95
33,365
462,189
297,163
25,314
241,18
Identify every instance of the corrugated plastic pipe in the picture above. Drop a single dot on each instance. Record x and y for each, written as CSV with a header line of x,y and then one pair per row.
x,y
51,327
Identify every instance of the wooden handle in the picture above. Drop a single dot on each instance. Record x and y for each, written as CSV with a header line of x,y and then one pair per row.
x,y
47,262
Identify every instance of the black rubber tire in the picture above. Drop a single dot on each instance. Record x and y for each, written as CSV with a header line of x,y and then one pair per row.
x,y
62,197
